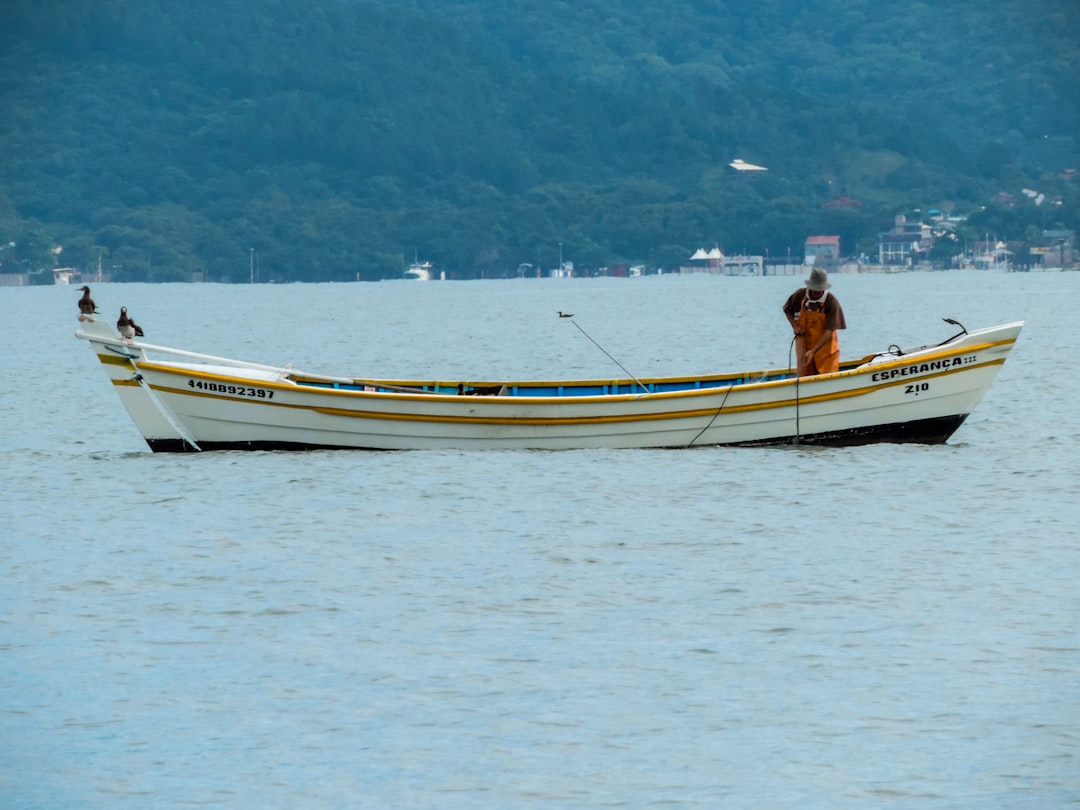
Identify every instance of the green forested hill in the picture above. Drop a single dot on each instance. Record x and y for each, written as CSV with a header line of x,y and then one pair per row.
x,y
1005,71
336,137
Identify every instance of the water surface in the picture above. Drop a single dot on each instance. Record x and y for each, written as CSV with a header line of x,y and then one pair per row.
x,y
773,627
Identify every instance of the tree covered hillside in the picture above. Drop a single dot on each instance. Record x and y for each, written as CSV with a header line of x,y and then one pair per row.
x,y
336,139
977,70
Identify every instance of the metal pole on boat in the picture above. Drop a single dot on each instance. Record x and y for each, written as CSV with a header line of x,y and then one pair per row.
x,y
798,431
796,345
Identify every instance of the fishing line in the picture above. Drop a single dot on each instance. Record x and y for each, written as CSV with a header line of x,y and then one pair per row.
x,y
644,387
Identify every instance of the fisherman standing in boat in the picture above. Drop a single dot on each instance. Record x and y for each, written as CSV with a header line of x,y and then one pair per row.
x,y
815,316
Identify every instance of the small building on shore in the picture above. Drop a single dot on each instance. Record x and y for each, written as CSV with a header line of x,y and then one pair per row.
x,y
822,251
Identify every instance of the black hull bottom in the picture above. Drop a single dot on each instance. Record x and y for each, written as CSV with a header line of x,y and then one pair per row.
x,y
924,431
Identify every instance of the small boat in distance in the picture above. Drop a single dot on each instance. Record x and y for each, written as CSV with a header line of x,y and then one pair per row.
x,y
182,401
419,271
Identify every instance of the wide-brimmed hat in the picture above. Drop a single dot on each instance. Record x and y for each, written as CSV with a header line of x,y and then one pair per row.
x,y
819,279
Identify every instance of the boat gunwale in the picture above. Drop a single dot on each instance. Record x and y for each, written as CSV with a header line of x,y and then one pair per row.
x,y
803,400
293,381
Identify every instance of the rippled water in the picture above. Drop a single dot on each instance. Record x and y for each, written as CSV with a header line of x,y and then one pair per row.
x,y
786,627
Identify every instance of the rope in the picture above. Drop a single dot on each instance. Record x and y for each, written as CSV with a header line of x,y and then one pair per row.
x,y
723,402
163,408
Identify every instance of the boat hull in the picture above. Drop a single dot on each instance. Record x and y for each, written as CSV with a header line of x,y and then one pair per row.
x,y
188,402
924,431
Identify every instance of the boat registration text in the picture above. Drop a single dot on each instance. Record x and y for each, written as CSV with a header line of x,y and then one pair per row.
x,y
234,390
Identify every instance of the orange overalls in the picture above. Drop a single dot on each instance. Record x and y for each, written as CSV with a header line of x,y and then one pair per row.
x,y
812,322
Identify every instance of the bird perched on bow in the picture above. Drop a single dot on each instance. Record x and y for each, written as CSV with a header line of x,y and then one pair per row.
x,y
126,326
87,307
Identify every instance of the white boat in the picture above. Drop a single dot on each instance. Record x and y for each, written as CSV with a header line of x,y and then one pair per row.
x,y
419,271
992,255
184,401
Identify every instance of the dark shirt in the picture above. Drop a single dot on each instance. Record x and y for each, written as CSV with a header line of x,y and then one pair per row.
x,y
834,314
